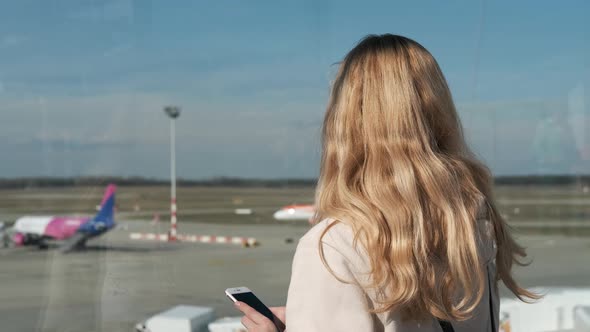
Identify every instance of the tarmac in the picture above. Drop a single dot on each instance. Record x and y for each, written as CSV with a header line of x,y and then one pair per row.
x,y
116,282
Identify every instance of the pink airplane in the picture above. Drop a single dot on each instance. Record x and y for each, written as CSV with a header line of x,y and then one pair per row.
x,y
295,212
73,231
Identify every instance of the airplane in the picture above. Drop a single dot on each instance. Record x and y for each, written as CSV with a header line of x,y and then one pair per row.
x,y
73,231
295,212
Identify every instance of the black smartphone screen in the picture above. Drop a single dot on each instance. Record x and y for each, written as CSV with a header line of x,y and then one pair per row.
x,y
251,300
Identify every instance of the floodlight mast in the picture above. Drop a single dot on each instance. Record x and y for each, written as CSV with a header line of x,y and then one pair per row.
x,y
173,113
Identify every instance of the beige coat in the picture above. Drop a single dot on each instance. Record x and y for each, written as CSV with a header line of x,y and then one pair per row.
x,y
317,301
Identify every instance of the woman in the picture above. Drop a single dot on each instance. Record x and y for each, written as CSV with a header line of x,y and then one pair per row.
x,y
409,237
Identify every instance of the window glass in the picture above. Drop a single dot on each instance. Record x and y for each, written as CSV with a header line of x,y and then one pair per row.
x,y
206,115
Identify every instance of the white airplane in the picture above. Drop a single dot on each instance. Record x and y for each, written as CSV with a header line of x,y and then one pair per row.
x,y
295,212
72,231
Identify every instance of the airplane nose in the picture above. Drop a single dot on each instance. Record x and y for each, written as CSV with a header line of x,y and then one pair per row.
x,y
278,214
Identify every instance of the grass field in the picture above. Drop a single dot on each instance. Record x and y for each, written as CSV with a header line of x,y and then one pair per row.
x,y
519,204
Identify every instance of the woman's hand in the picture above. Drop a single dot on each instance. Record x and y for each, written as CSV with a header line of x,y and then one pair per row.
x,y
257,322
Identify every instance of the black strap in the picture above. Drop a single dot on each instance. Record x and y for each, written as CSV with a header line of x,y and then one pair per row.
x,y
493,321
447,327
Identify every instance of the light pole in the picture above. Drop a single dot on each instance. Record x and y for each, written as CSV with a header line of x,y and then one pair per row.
x,y
173,112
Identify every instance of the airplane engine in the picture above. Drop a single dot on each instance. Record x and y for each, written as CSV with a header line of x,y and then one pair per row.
x,y
18,239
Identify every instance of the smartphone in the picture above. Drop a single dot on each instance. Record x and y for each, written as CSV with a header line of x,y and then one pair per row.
x,y
243,294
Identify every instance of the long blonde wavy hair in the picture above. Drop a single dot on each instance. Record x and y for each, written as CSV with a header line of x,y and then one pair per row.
x,y
396,168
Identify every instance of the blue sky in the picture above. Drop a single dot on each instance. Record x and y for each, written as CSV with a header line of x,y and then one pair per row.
x,y
82,83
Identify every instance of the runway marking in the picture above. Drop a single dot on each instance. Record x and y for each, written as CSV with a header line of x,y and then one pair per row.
x,y
236,240
550,224
545,201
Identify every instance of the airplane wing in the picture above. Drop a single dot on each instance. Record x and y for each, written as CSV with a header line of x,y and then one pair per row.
x,y
76,241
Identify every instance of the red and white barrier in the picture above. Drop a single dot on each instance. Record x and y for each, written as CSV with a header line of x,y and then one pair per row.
x,y
245,241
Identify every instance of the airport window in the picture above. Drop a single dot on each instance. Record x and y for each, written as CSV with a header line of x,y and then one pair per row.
x,y
156,153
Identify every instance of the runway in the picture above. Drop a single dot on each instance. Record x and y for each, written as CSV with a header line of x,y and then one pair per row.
x,y
118,282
